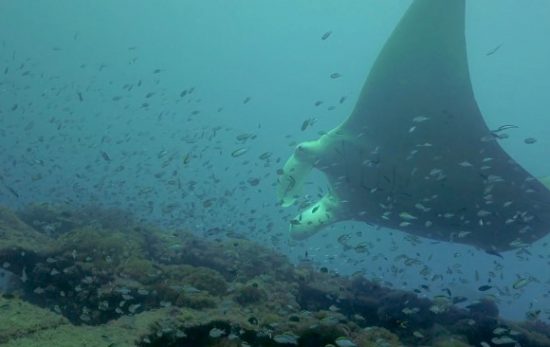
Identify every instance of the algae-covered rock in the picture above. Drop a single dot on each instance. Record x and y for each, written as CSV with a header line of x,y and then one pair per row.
x,y
250,293
450,341
377,336
16,235
19,318
25,325
58,219
100,249
90,277
51,220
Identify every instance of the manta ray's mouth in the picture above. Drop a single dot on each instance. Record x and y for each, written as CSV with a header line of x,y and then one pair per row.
x,y
438,171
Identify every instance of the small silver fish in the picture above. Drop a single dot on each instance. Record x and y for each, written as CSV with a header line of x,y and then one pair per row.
x,y
238,152
326,35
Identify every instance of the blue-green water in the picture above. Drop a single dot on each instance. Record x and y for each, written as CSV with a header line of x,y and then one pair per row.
x,y
140,105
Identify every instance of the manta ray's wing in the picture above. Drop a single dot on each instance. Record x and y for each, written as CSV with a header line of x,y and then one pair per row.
x,y
416,154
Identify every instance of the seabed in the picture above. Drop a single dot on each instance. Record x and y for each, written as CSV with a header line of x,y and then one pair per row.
x,y
96,277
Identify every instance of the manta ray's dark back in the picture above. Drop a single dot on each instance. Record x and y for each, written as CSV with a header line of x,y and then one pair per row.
x,y
438,163
415,154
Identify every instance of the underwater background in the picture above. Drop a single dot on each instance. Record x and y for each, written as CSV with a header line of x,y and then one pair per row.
x,y
181,112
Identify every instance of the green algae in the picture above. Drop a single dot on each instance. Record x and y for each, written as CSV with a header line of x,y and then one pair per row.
x,y
24,325
19,318
15,234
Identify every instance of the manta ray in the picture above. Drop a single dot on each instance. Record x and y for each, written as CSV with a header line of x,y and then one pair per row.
x,y
415,154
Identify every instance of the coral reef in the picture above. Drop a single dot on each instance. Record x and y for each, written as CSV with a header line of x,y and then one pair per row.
x,y
101,277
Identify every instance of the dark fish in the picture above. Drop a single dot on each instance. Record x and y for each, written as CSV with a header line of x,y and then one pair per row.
x,y
29,126
245,136
246,100
183,93
530,140
253,181
335,75
105,156
494,50
500,136
326,35
80,96
496,132
157,71
187,159
13,191
504,127
484,288
343,239
265,155
533,315
459,299
495,253
292,183
307,123
313,210
208,202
